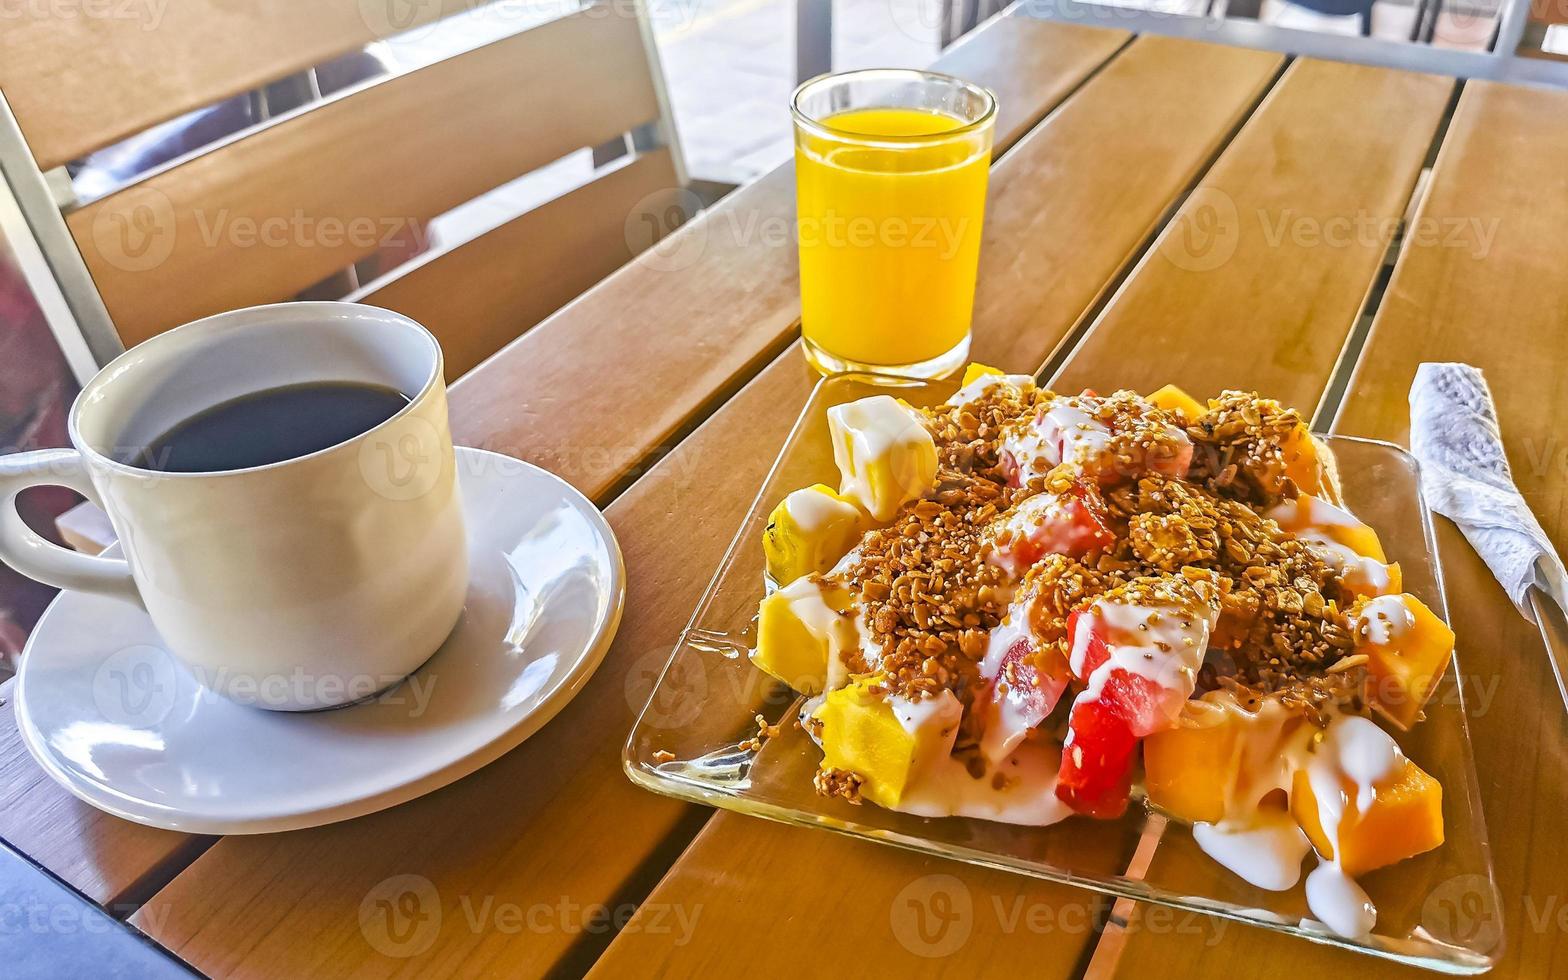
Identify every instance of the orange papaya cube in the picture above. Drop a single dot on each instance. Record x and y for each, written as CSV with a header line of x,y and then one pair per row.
x,y
1407,647
1341,526
1187,770
1173,399
1196,770
1405,819
1369,579
1315,519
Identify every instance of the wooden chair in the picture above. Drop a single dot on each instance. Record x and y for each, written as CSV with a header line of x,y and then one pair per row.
x,y
279,207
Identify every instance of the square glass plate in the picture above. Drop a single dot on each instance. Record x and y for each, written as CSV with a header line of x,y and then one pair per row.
x,y
1439,910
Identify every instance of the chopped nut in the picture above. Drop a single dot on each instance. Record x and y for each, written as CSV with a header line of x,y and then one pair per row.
x,y
839,782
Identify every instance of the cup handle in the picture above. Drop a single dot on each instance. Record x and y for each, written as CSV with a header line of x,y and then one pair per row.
x,y
27,552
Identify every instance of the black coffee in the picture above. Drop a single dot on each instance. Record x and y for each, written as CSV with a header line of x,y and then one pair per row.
x,y
269,427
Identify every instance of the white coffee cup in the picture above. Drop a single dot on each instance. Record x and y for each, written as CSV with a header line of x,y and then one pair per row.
x,y
302,584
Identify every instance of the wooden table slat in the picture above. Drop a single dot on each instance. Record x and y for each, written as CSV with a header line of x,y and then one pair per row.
x,y
1478,280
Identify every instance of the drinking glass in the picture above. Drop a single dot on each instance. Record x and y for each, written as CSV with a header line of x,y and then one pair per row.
x,y
890,170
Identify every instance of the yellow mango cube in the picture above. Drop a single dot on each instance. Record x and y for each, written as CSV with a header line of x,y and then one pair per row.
x,y
1405,819
1407,647
799,628
1173,399
885,741
885,456
975,371
809,531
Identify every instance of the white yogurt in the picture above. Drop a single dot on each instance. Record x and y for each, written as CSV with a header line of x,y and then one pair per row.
x,y
941,711
1310,520
1024,795
842,633
1075,435
1356,749
1384,620
1265,851
813,510
1339,903
981,386
1008,711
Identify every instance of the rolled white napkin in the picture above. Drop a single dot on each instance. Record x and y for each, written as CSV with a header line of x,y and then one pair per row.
x,y
1465,477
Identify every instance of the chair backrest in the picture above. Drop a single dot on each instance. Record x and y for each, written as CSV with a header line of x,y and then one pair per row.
x,y
282,206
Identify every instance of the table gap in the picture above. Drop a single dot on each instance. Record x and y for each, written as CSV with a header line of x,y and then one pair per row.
x,y
144,888
1333,397
580,956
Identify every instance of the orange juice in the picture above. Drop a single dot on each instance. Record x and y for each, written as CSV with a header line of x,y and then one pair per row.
x,y
890,203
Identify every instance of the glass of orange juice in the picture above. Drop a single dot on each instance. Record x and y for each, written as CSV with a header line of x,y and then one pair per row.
x,y
890,174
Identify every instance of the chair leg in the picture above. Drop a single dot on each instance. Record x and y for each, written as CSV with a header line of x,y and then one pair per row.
x,y
813,38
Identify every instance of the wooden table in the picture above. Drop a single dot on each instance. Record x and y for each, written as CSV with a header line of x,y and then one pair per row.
x,y
1160,211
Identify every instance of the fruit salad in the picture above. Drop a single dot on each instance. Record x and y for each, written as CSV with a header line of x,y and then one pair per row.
x,y
1022,606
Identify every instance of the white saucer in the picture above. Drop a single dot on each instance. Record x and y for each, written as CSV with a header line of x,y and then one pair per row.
x,y
118,722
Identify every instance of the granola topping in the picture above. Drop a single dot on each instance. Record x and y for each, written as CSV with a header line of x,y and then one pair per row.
x,y
929,597
839,782
1241,447
1041,599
